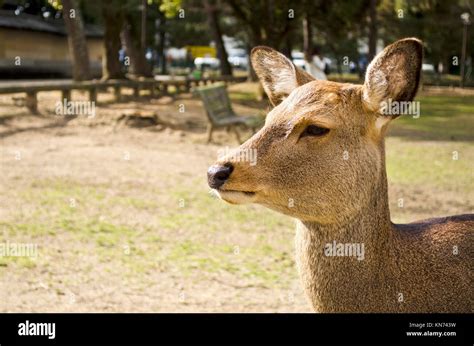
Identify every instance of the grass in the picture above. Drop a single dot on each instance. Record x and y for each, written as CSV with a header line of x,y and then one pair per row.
x,y
138,247
428,79
436,148
441,118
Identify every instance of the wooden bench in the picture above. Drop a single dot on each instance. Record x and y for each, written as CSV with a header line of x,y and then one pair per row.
x,y
220,113
159,83
32,88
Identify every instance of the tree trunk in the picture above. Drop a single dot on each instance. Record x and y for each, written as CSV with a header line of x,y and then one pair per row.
x,y
161,28
76,40
226,69
372,30
251,75
307,37
287,48
162,54
463,56
113,22
143,23
138,64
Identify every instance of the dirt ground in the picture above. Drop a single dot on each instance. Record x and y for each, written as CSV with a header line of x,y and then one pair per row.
x,y
124,221
146,164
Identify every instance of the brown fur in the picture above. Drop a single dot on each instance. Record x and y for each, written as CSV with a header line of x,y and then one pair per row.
x,y
336,186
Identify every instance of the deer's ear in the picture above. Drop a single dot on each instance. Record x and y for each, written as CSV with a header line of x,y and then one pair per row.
x,y
394,74
278,75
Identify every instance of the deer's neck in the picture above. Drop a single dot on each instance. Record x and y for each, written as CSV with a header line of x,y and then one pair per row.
x,y
339,263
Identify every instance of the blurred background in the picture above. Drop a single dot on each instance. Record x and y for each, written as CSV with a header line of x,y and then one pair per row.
x,y
104,143
181,37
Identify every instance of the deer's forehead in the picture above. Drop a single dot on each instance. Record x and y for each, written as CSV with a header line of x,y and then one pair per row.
x,y
315,99
315,93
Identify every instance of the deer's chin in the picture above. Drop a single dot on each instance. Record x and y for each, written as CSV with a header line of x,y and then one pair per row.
x,y
236,197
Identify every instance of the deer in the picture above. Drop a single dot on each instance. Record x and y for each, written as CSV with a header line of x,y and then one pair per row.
x,y
321,161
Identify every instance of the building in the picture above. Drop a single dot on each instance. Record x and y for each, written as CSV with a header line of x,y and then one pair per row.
x,y
34,46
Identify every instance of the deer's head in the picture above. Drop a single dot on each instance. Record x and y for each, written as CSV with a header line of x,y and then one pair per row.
x,y
321,151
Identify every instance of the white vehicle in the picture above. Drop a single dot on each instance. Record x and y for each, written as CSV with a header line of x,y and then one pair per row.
x,y
428,68
239,61
298,59
210,62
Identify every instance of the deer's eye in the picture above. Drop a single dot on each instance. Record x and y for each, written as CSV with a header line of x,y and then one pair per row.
x,y
314,131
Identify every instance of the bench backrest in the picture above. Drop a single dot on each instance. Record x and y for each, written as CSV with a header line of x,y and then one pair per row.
x,y
216,101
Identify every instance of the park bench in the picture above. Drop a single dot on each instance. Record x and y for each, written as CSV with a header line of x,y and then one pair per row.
x,y
159,83
32,88
220,113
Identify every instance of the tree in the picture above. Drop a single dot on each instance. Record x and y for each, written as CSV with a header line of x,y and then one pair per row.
x,y
113,17
134,40
76,39
266,22
307,36
138,64
436,22
138,34
212,15
335,26
167,9
373,30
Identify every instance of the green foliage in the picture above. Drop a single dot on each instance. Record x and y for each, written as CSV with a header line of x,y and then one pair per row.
x,y
436,22
170,8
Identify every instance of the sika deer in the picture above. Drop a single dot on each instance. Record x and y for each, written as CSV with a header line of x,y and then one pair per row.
x,y
321,160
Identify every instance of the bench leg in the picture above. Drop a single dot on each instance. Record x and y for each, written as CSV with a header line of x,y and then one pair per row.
x,y
136,92
118,95
93,95
31,102
236,134
66,95
210,129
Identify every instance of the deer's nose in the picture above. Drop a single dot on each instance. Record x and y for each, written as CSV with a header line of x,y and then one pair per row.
x,y
217,175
